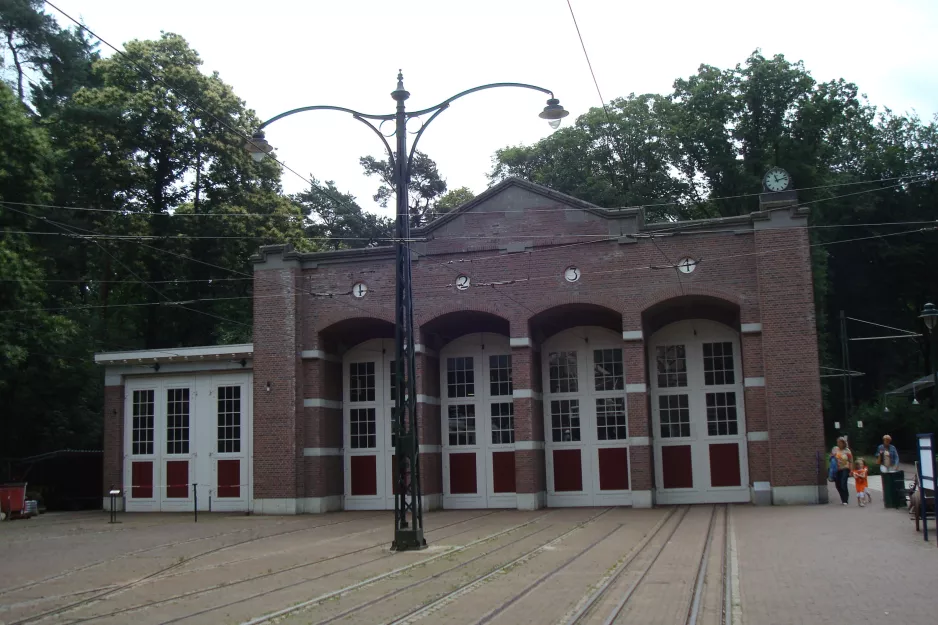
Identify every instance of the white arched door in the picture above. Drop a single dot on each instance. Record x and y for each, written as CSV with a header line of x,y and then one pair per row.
x,y
477,415
367,409
698,416
585,419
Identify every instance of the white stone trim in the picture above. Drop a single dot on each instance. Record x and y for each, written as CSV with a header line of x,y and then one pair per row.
x,y
433,501
177,353
638,441
419,348
519,341
428,399
274,506
751,328
525,393
641,498
319,505
799,495
632,335
528,445
318,354
322,403
755,437
636,388
116,375
532,501
315,452
431,449
754,382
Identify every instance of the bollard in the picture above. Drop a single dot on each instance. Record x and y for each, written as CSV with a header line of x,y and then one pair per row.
x,y
113,493
195,501
210,500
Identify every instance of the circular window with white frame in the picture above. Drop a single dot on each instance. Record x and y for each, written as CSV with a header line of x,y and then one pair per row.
x,y
359,290
462,282
686,265
571,274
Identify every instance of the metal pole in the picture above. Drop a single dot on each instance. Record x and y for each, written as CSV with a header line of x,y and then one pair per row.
x,y
408,533
845,359
195,501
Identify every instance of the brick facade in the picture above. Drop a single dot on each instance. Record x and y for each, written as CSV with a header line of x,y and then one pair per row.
x,y
514,242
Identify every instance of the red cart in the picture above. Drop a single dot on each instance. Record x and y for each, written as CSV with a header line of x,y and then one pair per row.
x,y
13,500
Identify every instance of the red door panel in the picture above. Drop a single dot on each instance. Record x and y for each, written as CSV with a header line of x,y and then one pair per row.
x,y
614,468
229,478
568,470
141,480
724,465
676,468
364,475
503,471
177,479
462,474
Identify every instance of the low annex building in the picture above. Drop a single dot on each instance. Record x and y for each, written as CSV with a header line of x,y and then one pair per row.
x,y
567,355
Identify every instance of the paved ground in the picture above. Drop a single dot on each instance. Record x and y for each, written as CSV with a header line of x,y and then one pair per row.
x,y
598,565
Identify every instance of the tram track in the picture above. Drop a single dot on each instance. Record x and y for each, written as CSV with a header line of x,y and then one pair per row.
x,y
478,581
138,552
160,575
650,550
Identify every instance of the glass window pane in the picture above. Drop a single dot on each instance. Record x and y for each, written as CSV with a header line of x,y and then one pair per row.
x,y
565,420
562,372
721,413
671,363
718,364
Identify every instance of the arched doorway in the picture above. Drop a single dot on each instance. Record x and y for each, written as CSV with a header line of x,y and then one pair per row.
x,y
698,415
367,409
585,419
477,422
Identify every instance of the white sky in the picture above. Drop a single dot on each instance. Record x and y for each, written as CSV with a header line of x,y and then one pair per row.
x,y
282,54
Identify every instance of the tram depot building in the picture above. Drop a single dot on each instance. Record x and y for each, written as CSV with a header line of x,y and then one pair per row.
x,y
564,357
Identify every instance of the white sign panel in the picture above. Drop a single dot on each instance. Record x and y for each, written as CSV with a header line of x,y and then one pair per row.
x,y
926,460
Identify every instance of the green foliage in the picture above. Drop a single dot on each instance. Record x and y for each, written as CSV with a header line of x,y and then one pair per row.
x,y
454,198
337,216
903,421
425,189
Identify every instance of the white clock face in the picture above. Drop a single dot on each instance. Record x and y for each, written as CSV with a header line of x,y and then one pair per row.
x,y
686,265
572,274
462,282
360,289
777,179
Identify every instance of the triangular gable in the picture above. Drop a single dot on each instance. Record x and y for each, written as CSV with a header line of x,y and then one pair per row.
x,y
511,196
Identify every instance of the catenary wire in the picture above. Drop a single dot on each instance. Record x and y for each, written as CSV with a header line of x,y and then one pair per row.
x,y
917,178
620,270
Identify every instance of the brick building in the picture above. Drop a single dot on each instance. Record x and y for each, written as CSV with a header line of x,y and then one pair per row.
x,y
564,358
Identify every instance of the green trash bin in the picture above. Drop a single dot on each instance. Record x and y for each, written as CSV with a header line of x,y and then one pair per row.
x,y
891,482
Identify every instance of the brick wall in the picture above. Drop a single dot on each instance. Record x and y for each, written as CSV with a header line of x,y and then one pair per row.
x,y
615,275
278,433
113,438
790,357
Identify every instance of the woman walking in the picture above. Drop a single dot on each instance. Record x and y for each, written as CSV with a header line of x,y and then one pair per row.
x,y
844,458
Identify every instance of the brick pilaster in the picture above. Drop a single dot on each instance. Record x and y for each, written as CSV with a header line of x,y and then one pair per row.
x,y
530,467
639,419
113,439
789,343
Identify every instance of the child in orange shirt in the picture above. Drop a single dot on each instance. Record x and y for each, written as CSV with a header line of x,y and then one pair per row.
x,y
860,477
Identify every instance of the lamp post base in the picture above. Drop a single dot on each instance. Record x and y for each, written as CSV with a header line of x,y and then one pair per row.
x,y
408,540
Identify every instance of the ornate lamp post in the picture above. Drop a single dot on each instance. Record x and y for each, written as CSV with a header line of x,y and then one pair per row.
x,y
408,513
930,317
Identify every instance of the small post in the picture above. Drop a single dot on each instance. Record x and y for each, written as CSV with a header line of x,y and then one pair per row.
x,y
195,501
210,500
114,492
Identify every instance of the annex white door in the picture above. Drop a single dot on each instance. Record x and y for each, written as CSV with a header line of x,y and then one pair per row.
x,y
478,423
698,416
367,412
585,419
228,426
188,434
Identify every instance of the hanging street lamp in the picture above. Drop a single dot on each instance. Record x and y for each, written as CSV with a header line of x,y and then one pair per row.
x,y
408,513
930,317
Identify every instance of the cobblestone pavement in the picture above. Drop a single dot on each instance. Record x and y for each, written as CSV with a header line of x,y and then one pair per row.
x,y
579,565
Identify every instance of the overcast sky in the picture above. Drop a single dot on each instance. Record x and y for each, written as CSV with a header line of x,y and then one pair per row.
x,y
282,54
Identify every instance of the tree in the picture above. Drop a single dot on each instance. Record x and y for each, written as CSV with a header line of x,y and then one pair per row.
x,y
425,187
454,198
335,215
